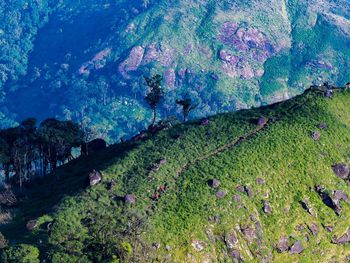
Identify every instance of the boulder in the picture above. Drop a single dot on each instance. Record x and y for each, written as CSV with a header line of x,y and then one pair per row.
x,y
316,136
250,234
323,126
260,181
198,245
248,191
214,183
266,207
31,225
262,121
314,229
240,188
344,239
341,170
282,244
95,177
231,241
237,198
296,248
221,194
129,199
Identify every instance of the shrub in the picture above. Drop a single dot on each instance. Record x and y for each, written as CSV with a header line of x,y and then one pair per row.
x,y
21,254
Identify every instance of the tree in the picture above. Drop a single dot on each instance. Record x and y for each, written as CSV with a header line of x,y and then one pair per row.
x,y
20,253
155,94
187,106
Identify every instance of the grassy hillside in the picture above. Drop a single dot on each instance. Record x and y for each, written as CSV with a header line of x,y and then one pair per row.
x,y
178,216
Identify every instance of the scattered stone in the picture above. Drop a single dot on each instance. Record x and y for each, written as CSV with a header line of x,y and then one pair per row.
x,y
260,181
314,229
323,126
344,239
220,194
214,183
249,233
296,248
130,199
156,245
282,244
249,191
231,241
167,247
341,170
95,177
307,207
329,93
205,122
237,198
262,121
300,227
162,161
240,188
210,236
235,255
31,225
329,228
316,136
198,245
267,208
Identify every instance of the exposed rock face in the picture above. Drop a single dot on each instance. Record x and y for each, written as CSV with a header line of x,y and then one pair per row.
x,y
95,177
130,199
282,244
296,248
170,78
198,245
133,61
31,225
214,183
344,239
341,170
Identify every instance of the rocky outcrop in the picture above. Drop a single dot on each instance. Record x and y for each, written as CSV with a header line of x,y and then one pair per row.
x,y
214,183
344,239
296,248
132,62
282,244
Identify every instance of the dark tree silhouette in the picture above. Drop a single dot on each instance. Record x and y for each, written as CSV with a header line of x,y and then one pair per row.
x,y
155,94
187,106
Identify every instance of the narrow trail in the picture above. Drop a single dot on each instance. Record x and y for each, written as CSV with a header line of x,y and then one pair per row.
x,y
236,142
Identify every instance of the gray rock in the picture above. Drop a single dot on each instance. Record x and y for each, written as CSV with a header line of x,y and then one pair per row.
x,y
221,194
329,228
344,239
260,181
249,233
235,255
156,245
167,247
323,126
262,121
296,248
95,178
249,191
198,245
267,208
282,244
341,170
237,198
130,199
314,229
214,183
316,136
240,188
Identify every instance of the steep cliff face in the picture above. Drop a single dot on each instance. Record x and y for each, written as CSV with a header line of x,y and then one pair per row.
x,y
226,55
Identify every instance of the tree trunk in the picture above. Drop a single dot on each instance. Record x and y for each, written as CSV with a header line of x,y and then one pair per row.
x,y
154,116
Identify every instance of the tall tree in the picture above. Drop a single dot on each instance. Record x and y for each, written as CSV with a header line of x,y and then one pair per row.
x,y
155,94
187,106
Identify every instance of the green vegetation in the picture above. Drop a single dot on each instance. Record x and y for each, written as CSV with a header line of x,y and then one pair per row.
x,y
176,215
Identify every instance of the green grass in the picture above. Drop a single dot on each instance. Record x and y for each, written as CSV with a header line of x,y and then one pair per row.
x,y
282,153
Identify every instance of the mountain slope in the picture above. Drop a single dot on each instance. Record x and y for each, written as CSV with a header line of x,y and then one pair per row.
x,y
275,189
88,60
